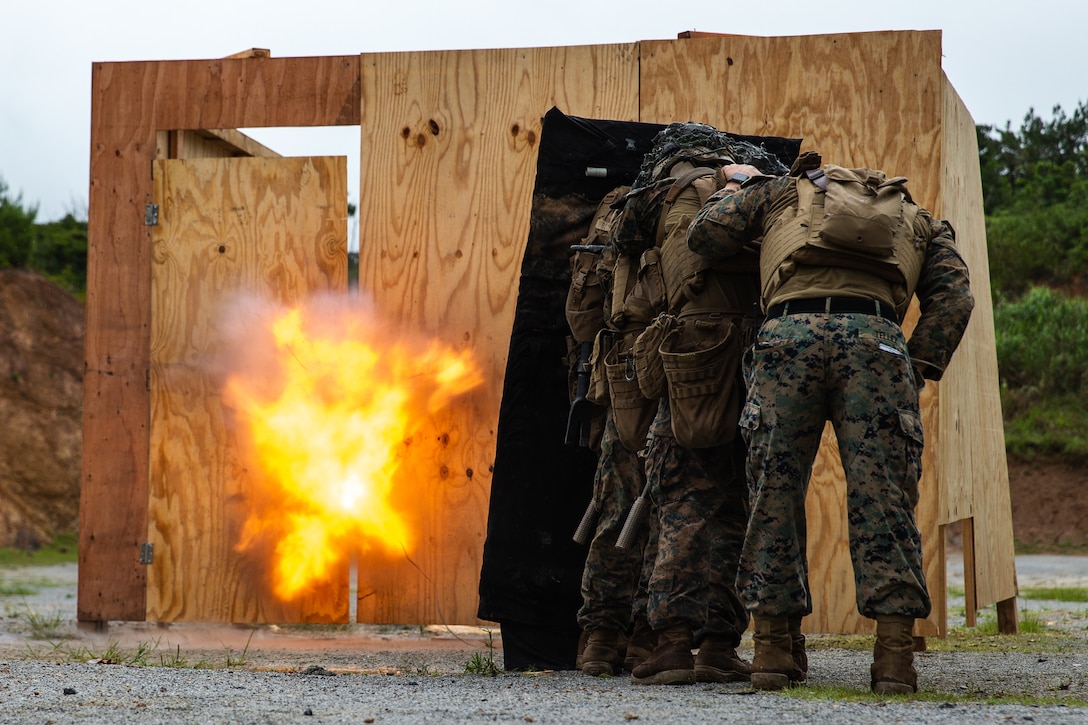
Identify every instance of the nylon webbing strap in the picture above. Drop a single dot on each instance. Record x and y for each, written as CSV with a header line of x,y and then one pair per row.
x,y
682,182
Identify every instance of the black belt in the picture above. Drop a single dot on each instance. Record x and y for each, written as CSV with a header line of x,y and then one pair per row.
x,y
835,305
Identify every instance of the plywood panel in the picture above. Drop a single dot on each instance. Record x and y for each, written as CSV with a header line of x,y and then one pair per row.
x,y
860,99
130,102
974,466
268,229
448,162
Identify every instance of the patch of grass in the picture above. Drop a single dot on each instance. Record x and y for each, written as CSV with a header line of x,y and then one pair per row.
x,y
62,550
1056,594
174,659
956,592
1064,548
240,660
44,625
848,694
484,664
142,656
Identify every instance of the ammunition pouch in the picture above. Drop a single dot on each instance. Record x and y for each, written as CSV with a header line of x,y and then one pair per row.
x,y
632,411
701,358
585,297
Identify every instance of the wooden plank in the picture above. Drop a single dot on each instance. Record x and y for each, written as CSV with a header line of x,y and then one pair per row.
x,y
448,163
1007,621
273,230
130,102
861,99
224,142
970,576
975,471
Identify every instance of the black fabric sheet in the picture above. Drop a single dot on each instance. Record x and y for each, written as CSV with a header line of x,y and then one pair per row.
x,y
530,580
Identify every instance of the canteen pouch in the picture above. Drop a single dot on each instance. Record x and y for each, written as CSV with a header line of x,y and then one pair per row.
x,y
701,359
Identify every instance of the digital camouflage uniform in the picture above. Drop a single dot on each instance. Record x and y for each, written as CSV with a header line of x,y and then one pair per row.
x,y
610,577
857,371
699,495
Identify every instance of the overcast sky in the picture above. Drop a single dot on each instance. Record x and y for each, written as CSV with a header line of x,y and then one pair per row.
x,y
1002,57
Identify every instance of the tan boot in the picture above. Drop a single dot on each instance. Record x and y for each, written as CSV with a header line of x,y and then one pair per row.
x,y
893,670
773,666
583,640
603,654
797,648
717,661
640,645
671,662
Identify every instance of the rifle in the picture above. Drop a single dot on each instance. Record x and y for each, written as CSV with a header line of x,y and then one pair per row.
x,y
581,409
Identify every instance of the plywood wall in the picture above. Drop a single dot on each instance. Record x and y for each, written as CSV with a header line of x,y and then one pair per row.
x,y
448,164
974,471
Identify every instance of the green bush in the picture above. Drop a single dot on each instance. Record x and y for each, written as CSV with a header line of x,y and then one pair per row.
x,y
1042,343
1042,358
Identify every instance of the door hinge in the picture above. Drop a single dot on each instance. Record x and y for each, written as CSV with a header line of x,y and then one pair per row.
x,y
151,215
147,552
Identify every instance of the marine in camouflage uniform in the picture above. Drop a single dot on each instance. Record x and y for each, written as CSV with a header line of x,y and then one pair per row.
x,y
832,349
699,493
615,633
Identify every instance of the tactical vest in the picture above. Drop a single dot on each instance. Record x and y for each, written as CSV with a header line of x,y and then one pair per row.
x,y
889,245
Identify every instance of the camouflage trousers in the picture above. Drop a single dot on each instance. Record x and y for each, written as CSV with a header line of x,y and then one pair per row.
x,y
853,370
611,574
701,510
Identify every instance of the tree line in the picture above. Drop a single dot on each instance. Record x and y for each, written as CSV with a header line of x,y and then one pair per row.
x,y
1035,198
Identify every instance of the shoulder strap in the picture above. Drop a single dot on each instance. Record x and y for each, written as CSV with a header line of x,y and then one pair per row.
x,y
682,182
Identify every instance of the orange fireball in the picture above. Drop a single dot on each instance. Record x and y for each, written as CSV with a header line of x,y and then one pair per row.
x,y
326,418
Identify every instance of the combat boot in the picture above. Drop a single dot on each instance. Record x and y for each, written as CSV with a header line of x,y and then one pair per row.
x,y
640,645
797,648
583,640
893,670
717,661
773,666
671,662
603,654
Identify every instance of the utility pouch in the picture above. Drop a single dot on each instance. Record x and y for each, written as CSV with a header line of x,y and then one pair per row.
x,y
647,354
585,297
701,359
632,412
598,380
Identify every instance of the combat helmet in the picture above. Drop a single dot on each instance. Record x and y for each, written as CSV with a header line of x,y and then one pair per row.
x,y
702,145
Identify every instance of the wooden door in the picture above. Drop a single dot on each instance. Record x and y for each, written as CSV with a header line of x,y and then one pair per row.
x,y
229,231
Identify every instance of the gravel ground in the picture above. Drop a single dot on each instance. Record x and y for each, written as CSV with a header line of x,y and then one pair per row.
x,y
53,671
